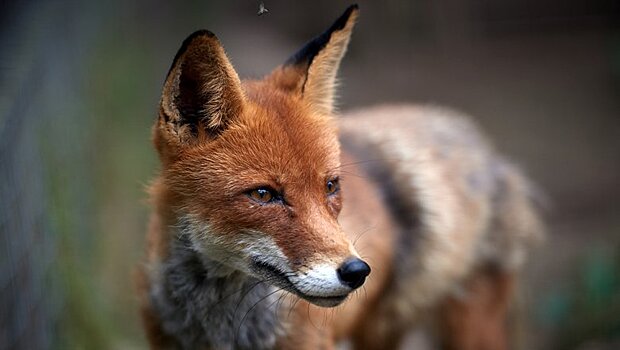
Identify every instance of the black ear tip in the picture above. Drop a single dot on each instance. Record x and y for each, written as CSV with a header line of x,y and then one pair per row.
x,y
306,54
201,32
187,42
342,20
195,35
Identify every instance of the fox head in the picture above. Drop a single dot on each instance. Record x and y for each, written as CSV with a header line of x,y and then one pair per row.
x,y
251,168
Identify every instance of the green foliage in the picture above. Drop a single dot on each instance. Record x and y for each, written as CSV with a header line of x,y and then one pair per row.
x,y
588,309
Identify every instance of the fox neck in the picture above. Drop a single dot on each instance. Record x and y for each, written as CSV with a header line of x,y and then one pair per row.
x,y
201,306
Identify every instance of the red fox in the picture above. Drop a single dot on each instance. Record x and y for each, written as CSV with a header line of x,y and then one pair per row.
x,y
277,224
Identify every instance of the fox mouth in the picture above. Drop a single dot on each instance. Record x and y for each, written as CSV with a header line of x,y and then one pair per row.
x,y
279,278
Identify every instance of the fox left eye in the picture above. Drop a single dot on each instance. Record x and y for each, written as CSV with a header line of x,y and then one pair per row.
x,y
332,186
263,195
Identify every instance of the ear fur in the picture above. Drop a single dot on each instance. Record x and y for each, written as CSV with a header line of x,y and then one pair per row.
x,y
311,72
202,91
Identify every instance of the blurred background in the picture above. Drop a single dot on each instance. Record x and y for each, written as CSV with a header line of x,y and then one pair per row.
x,y
79,87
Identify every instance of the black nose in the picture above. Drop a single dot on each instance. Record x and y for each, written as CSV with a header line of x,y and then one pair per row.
x,y
353,272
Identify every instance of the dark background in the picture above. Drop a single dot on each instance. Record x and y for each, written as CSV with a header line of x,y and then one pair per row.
x,y
79,86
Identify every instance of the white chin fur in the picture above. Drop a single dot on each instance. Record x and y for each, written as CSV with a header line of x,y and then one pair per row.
x,y
320,281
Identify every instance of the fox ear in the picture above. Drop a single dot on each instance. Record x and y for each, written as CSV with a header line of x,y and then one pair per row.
x,y
202,91
311,72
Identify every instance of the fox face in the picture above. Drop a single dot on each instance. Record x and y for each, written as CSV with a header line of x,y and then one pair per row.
x,y
251,169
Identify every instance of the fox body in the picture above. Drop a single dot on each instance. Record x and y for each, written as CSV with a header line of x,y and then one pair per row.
x,y
270,212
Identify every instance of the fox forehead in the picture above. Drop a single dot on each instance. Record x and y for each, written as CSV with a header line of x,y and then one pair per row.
x,y
275,139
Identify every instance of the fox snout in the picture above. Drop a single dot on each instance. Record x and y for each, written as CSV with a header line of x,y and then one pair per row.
x,y
323,275
328,285
321,280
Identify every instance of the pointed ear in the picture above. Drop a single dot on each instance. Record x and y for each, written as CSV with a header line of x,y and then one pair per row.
x,y
311,72
202,92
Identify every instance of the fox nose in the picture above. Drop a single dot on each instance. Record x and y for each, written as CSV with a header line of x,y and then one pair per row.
x,y
353,272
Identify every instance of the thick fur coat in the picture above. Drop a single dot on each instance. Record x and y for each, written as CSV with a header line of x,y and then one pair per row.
x,y
265,197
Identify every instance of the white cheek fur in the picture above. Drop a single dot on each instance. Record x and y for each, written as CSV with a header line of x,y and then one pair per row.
x,y
318,281
261,247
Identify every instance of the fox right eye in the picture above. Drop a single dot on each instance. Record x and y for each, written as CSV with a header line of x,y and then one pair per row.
x,y
263,195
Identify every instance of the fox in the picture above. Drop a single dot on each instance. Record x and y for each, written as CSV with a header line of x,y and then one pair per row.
x,y
279,223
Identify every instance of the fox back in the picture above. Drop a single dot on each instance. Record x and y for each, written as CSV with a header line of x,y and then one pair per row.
x,y
269,211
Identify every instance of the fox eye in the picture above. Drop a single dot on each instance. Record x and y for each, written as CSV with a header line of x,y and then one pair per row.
x,y
332,186
262,195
